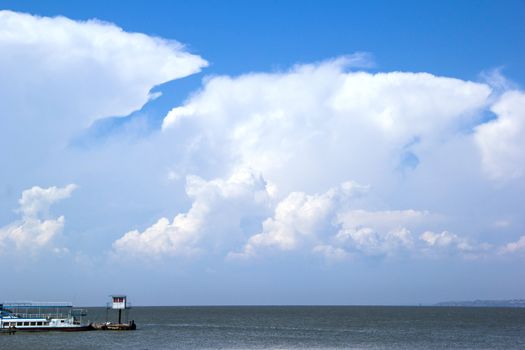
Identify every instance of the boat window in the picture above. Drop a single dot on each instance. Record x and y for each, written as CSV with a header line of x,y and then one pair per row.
x,y
61,321
20,323
39,323
26,323
7,324
33,323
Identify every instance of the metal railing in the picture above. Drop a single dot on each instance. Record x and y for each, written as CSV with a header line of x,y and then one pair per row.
x,y
40,315
33,304
74,313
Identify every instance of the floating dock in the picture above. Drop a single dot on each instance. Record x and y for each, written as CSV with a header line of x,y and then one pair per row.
x,y
109,326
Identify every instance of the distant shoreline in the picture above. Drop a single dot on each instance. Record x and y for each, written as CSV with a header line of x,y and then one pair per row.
x,y
485,303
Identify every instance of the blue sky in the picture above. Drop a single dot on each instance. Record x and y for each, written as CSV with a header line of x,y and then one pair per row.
x,y
288,152
452,38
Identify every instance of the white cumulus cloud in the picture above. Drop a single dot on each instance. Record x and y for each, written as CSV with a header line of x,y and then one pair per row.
x,y
219,209
36,230
300,218
38,200
369,241
83,70
448,242
326,224
514,247
59,75
502,140
320,124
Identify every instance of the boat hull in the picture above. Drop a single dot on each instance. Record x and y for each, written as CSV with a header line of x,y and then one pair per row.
x,y
56,329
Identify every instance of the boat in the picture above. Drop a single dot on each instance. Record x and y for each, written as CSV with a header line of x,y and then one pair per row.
x,y
42,316
111,326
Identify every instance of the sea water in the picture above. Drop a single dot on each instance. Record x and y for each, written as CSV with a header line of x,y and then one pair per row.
x,y
295,327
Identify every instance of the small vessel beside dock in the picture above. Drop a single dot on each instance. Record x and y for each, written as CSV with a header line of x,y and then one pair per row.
x,y
110,326
122,306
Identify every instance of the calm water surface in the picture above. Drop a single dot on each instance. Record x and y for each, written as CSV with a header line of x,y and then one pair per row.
x,y
313,327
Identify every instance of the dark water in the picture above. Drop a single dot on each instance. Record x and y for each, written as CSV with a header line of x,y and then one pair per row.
x,y
297,327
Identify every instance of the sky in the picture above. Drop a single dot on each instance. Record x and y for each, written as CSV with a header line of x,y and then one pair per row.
x,y
262,153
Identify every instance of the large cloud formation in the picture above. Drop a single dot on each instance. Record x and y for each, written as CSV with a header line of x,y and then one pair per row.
x,y
284,152
59,75
320,125
311,124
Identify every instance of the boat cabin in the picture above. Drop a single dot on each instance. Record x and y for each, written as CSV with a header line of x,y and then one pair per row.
x,y
118,302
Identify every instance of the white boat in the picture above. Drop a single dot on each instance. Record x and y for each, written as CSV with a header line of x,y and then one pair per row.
x,y
42,316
